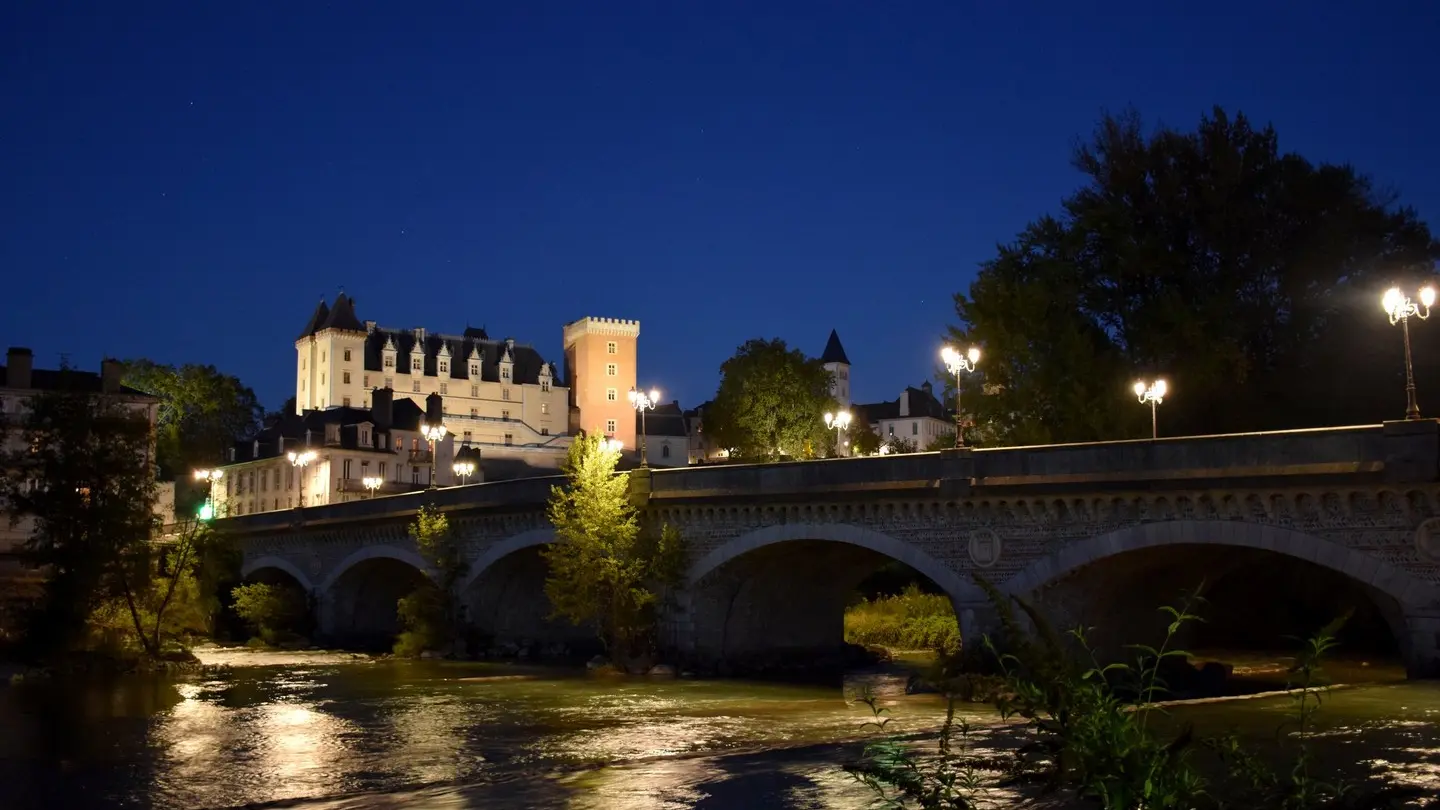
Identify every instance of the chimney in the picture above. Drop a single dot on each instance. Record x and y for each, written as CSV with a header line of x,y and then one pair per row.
x,y
110,373
905,402
18,363
382,408
434,410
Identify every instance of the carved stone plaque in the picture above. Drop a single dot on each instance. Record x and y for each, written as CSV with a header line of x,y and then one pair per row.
x,y
984,548
1427,539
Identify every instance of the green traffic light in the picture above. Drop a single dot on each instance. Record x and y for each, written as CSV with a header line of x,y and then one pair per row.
x,y
206,512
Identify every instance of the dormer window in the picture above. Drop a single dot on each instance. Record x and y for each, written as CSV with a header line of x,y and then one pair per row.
x,y
444,366
474,369
389,361
504,372
544,385
414,364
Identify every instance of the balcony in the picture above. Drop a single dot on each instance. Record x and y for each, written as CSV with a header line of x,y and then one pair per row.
x,y
357,485
421,456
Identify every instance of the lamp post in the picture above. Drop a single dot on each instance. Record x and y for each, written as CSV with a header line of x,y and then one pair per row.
x,y
1153,393
956,363
841,422
644,401
372,483
1401,309
301,460
432,434
208,510
464,469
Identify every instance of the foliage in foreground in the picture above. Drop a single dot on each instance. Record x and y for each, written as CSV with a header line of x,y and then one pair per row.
x,y
910,620
271,611
605,569
1088,729
431,614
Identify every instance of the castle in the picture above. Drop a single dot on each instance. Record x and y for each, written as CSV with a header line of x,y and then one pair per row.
x,y
500,396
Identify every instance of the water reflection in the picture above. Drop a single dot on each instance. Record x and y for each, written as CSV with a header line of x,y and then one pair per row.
x,y
517,738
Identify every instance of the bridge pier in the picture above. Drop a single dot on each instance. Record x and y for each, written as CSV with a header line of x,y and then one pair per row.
x,y
1422,656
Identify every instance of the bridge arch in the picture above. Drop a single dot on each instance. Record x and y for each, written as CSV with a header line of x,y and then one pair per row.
x,y
505,601
258,564
1265,582
499,551
358,597
778,594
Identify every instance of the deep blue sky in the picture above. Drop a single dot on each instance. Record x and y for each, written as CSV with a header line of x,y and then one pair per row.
x,y
184,181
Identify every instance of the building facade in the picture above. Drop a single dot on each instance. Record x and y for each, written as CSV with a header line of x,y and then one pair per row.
x,y
667,435
350,445
600,358
916,417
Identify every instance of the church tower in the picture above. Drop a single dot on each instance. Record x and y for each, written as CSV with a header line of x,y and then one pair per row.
x,y
838,365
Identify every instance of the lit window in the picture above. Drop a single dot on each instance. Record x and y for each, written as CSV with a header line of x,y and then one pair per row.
x,y
611,395
611,370
610,426
612,348
544,407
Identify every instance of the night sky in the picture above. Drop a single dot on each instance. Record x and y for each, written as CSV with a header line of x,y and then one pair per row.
x,y
185,181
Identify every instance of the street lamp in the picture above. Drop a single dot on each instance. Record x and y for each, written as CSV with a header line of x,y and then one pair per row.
x,y
841,422
208,511
644,401
1401,309
301,460
372,483
464,469
611,444
956,363
432,434
1153,393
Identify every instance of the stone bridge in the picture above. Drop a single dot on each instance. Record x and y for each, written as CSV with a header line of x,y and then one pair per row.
x,y
1284,527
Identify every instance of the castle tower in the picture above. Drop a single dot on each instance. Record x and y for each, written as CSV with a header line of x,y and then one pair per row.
x,y
838,365
600,359
330,358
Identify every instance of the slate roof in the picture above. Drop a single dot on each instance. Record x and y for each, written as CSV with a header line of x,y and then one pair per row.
x,y
406,416
45,379
834,352
663,420
922,403
316,321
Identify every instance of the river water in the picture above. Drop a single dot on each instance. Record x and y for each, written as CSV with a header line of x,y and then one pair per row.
x,y
332,731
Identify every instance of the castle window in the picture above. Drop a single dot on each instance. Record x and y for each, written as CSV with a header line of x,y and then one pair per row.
x,y
346,401
475,412
302,364
611,370
544,385
504,372
505,394
475,391
544,407
664,451
474,369
443,389
467,436
544,431
611,395
322,378
414,364
415,386
389,382
346,377
444,366
322,357
505,415
347,355
366,381
365,438
389,361
346,473
609,427
509,439
612,348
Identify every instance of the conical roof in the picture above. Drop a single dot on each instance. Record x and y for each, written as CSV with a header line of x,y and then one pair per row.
x,y
316,322
342,315
834,352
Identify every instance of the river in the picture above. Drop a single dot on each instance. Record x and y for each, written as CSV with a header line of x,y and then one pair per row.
x,y
325,730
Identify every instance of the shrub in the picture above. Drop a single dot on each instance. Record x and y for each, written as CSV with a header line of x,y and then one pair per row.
x,y
910,620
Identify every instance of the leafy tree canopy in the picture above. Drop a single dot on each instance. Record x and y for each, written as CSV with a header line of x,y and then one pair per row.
x,y
1249,278
202,413
772,401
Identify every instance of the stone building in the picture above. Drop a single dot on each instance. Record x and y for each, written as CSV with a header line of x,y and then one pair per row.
x,y
915,416
667,435
19,382
601,355
350,445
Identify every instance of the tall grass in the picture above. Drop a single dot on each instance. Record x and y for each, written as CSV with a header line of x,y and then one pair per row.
x,y
910,620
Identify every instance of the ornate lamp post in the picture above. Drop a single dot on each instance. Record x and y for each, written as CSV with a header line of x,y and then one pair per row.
x,y
301,461
955,363
1401,309
644,401
464,469
432,434
208,510
372,483
612,445
1153,393
841,422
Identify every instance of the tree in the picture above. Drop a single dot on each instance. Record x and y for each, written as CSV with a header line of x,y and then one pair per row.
x,y
864,441
895,445
83,480
432,613
202,413
942,441
1243,275
603,568
268,609
772,401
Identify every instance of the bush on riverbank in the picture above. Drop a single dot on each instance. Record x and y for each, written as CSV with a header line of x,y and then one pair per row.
x,y
909,620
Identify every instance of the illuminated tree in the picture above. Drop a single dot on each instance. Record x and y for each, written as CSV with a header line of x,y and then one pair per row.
x,y
772,401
